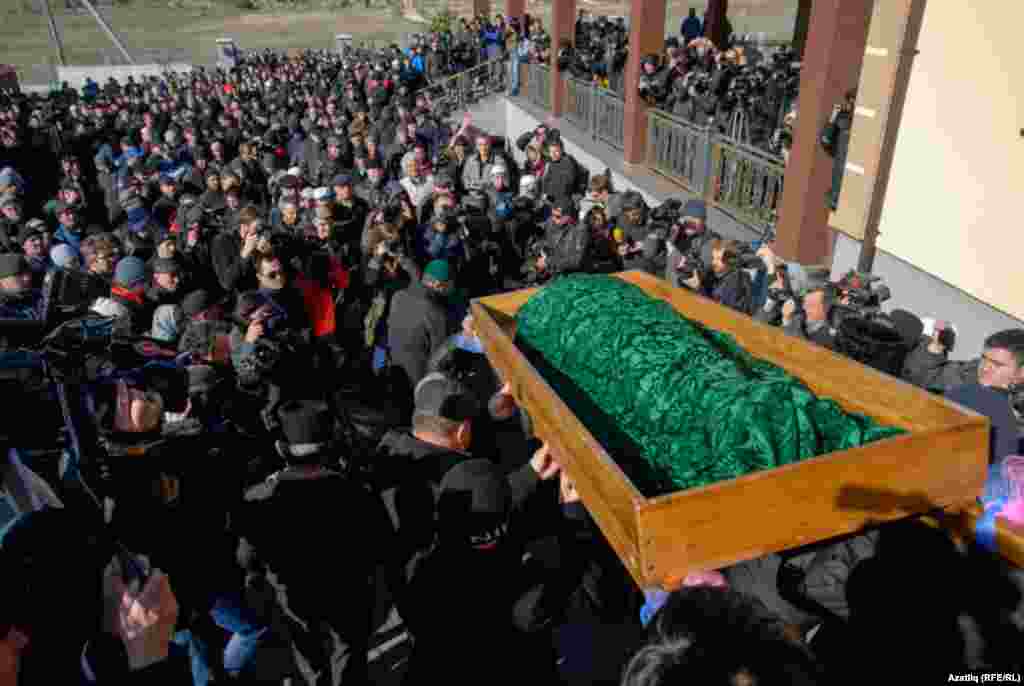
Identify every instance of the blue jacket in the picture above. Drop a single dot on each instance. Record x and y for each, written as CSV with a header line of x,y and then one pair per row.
x,y
691,28
70,238
441,246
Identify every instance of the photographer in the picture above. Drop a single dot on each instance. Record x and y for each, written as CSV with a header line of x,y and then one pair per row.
x,y
268,343
835,140
631,232
18,300
688,248
1001,365
442,240
808,316
567,245
654,80
480,274
231,252
788,282
726,282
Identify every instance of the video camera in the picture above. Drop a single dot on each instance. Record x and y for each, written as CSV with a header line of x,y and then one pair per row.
x,y
864,292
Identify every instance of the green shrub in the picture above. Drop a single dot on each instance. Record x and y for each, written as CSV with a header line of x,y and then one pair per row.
x,y
442,21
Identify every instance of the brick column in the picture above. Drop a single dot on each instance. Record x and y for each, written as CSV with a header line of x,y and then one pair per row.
x,y
714,21
563,25
646,36
515,8
836,40
803,21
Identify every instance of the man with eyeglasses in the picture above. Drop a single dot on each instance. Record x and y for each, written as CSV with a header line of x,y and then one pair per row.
x,y
1001,365
988,384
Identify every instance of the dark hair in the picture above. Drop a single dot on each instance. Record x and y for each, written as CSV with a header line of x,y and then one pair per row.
x,y
1010,339
716,636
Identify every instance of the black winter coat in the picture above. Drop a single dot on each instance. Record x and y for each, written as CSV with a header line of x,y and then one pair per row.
x,y
568,248
418,323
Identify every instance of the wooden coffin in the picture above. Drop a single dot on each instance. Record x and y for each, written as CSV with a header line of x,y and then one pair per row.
x,y
940,463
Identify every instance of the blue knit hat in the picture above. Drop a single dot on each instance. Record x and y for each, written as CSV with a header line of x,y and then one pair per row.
x,y
130,272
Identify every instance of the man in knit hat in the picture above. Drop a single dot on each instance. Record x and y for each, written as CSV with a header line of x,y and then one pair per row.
x,y
18,300
11,220
35,245
127,299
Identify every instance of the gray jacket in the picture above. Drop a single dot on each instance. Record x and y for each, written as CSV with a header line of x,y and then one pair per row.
x,y
934,372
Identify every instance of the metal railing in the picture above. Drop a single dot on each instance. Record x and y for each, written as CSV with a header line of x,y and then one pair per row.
x,y
609,118
595,110
538,89
744,181
459,91
679,149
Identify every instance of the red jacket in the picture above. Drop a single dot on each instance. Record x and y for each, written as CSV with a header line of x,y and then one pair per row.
x,y
319,300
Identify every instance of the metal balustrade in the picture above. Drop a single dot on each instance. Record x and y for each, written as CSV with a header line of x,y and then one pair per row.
x,y
744,181
538,90
460,91
595,110
678,149
609,118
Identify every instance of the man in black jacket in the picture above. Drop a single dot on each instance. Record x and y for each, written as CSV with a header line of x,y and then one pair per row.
x,y
410,463
564,176
1001,364
419,322
282,520
567,245
231,252
726,282
689,244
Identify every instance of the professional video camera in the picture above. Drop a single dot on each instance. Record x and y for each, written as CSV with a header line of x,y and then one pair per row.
x,y
863,292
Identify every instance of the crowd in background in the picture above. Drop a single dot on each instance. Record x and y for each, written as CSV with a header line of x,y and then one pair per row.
x,y
244,386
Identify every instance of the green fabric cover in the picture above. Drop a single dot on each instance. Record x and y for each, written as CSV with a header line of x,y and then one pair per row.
x,y
677,404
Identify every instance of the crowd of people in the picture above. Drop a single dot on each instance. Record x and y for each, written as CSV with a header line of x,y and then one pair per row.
x,y
244,385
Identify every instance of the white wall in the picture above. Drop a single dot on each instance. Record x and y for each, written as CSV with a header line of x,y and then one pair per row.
x,y
953,204
75,76
928,296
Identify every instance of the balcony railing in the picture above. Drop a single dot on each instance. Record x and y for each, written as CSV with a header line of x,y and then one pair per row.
x,y
595,110
459,91
745,181
538,84
678,149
